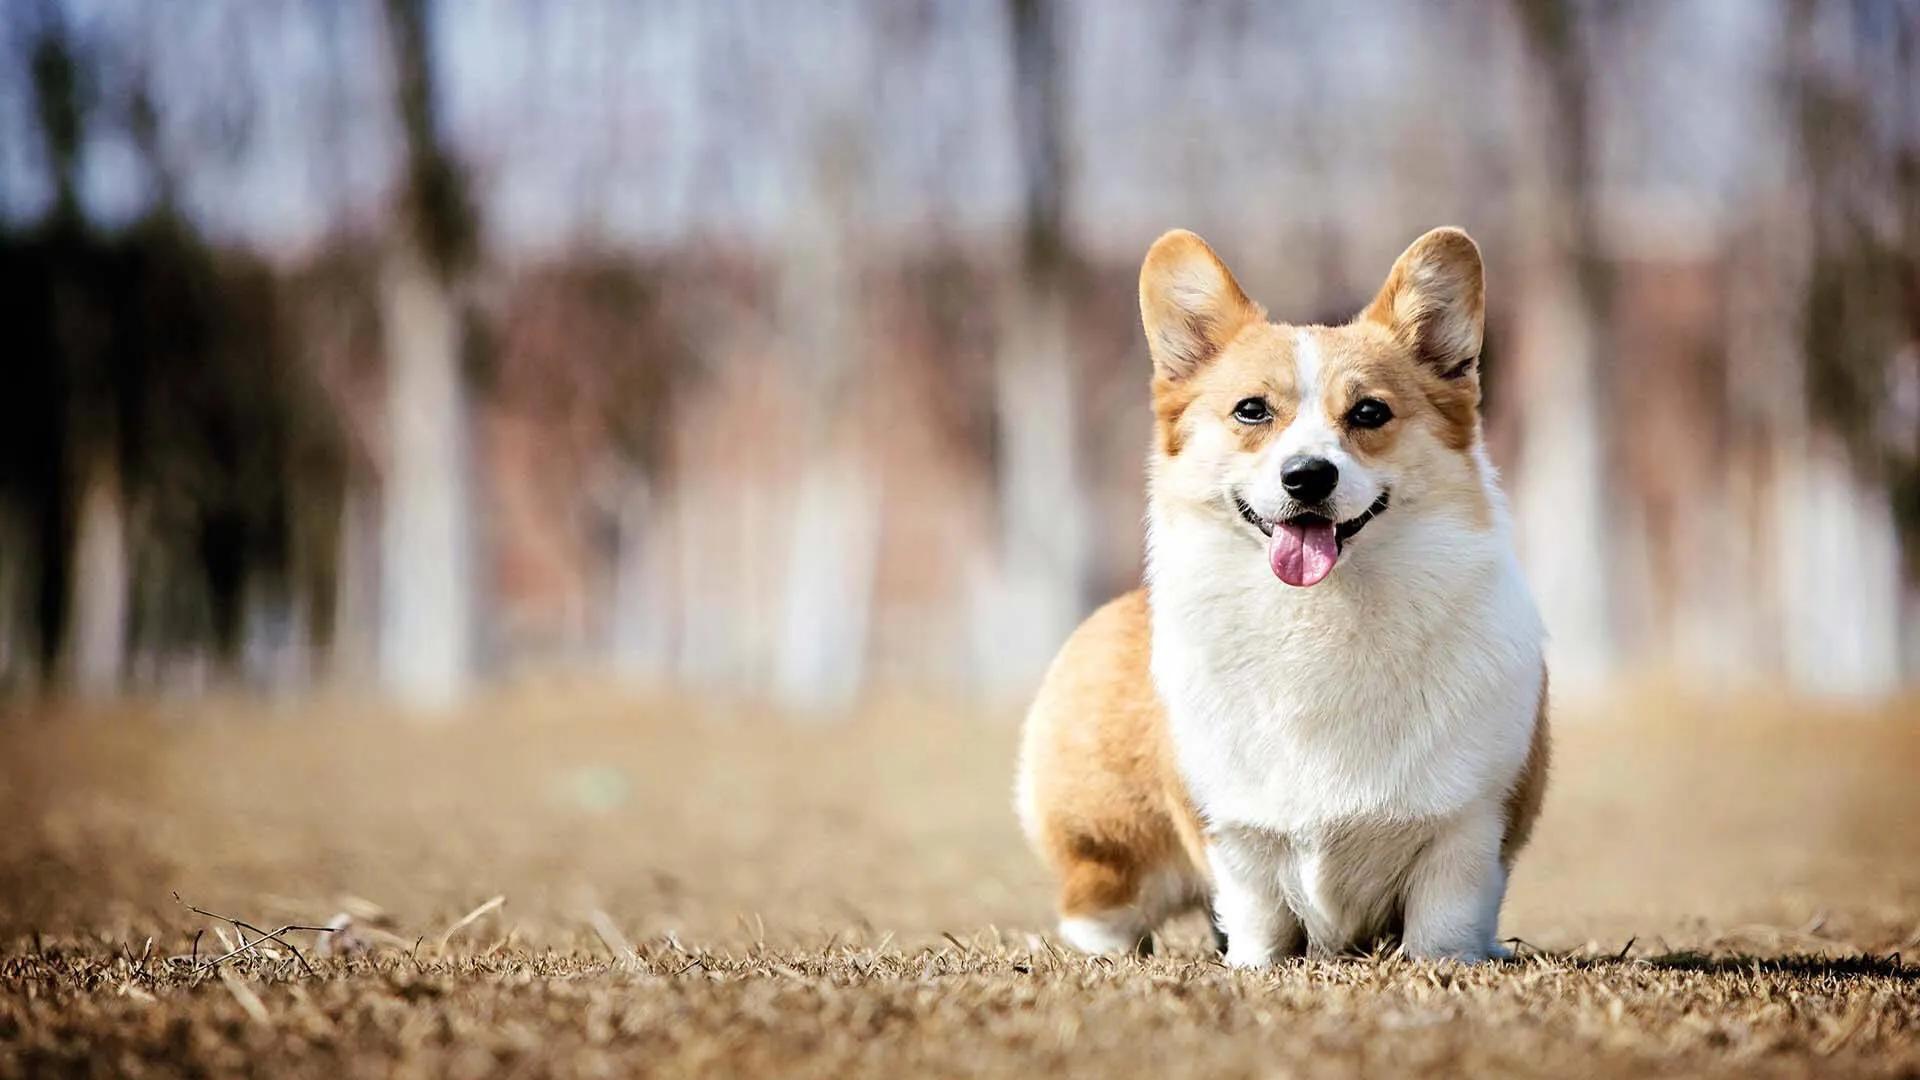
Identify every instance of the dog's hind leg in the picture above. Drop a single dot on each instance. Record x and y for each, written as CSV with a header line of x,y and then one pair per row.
x,y
1118,931
1102,909
1113,906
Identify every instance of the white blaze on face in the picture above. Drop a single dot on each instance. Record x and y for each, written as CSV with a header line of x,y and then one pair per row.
x,y
1310,434
1304,553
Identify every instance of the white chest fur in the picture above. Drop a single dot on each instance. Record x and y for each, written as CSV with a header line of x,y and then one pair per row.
x,y
1345,724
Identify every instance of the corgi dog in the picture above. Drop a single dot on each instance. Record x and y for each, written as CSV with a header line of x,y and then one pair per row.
x,y
1325,716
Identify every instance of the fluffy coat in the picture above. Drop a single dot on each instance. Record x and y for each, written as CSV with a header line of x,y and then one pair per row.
x,y
1327,766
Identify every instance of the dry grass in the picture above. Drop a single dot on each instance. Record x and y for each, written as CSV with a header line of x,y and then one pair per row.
x,y
698,891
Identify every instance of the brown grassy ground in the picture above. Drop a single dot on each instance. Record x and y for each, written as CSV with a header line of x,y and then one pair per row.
x,y
1717,890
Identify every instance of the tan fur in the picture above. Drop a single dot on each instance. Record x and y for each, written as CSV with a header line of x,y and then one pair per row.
x,y
1530,790
1205,363
1433,306
1112,810
1183,335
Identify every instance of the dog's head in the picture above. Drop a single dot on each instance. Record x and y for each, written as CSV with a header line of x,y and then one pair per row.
x,y
1300,437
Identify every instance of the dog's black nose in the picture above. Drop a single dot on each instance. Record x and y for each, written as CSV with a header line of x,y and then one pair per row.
x,y
1309,479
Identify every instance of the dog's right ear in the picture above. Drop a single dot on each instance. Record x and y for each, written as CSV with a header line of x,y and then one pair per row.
x,y
1190,304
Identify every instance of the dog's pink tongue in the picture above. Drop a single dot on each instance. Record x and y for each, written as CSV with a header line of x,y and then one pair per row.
x,y
1302,554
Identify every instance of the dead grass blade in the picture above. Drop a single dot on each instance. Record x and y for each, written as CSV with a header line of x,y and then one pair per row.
x,y
1844,1031
470,917
250,1002
245,946
610,936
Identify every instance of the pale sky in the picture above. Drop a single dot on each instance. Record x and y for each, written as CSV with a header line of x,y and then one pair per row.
x,y
635,124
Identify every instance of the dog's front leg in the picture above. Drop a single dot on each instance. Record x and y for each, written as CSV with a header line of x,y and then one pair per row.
x,y
1248,906
1455,889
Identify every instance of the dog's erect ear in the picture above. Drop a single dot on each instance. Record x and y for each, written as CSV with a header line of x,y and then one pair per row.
x,y
1435,302
1189,303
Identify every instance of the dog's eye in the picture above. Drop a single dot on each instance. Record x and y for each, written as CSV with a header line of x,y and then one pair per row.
x,y
1252,410
1369,413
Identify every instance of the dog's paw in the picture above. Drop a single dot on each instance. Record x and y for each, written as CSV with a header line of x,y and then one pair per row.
x,y
1463,954
1248,959
1111,935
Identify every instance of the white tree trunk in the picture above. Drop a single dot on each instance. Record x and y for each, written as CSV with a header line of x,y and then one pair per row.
x,y
96,646
275,653
821,662
1572,528
1562,514
1043,512
426,617
725,538
830,528
1836,560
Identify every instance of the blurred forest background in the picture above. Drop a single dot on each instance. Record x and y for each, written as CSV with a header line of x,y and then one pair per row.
x,y
789,350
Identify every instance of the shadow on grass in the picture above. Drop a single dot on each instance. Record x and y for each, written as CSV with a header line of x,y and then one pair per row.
x,y
1808,965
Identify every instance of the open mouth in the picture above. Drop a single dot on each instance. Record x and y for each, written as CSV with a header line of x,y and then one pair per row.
x,y
1302,549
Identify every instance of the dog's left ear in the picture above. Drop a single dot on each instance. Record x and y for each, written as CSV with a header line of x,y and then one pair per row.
x,y
1435,302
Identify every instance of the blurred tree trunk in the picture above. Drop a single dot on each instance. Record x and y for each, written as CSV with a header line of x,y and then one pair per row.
x,y
84,588
1043,558
353,658
96,648
1839,617
1566,510
832,529
426,528
831,557
642,605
